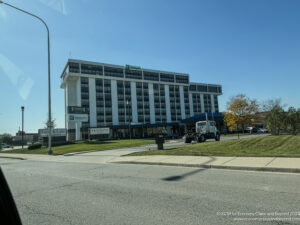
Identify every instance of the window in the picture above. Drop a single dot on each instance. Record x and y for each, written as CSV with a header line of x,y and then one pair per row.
x,y
74,67
213,89
84,80
202,88
107,83
113,71
193,88
167,77
182,79
91,69
151,76
133,74
138,85
220,89
99,82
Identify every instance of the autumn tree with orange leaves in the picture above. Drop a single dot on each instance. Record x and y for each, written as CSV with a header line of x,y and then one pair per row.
x,y
241,111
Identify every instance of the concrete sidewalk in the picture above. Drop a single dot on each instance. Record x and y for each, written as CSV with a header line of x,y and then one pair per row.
x,y
274,164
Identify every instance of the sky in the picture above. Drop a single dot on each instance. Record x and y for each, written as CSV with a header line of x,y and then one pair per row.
x,y
247,46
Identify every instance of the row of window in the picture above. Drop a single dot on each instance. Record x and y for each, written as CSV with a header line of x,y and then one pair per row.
x,y
130,74
186,101
85,97
197,102
143,105
124,102
103,102
207,103
159,103
205,88
175,106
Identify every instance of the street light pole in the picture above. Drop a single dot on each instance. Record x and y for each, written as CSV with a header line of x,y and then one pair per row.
x,y
128,119
49,123
22,109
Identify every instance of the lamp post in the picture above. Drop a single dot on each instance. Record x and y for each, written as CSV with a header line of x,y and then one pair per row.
x,y
22,109
127,103
49,123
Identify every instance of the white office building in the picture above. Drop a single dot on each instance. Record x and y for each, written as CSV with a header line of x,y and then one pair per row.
x,y
131,100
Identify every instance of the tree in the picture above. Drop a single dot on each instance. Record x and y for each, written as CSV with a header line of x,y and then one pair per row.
x,y
268,105
275,119
292,120
241,111
7,139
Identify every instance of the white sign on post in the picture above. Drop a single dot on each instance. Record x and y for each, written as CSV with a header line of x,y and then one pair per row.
x,y
59,132
104,130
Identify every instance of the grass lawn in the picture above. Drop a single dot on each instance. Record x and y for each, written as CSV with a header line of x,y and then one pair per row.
x,y
280,146
86,146
235,134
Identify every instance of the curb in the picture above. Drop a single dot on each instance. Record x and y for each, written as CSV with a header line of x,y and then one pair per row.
x,y
12,157
265,169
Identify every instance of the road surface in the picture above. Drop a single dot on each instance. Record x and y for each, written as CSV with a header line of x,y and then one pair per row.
x,y
87,193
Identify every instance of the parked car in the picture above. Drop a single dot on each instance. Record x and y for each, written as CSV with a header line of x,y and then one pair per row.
x,y
251,130
4,145
254,130
262,131
248,129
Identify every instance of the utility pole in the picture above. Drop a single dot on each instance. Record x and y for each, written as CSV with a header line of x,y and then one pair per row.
x,y
128,119
22,109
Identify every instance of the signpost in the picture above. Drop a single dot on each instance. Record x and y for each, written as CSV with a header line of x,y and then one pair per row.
x,y
59,132
58,135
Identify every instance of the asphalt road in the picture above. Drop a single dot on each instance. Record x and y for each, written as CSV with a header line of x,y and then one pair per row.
x,y
86,193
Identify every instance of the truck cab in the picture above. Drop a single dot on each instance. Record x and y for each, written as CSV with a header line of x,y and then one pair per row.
x,y
204,130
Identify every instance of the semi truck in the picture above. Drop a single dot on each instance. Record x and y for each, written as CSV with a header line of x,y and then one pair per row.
x,y
203,130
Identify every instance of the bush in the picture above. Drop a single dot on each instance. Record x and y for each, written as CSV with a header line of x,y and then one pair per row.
x,y
34,146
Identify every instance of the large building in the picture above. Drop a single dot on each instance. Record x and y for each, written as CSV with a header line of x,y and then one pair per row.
x,y
131,100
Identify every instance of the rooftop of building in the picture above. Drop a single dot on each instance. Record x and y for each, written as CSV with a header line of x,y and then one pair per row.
x,y
117,66
134,68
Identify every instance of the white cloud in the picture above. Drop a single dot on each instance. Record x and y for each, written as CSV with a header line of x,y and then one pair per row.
x,y
3,13
16,76
10,69
24,91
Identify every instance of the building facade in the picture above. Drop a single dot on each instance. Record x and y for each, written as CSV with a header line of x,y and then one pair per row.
x,y
132,101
